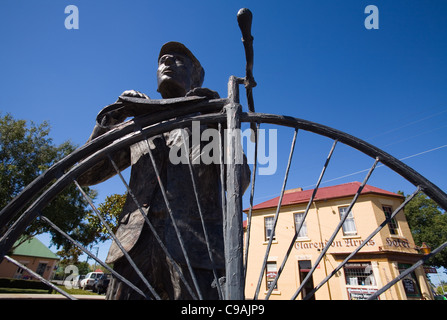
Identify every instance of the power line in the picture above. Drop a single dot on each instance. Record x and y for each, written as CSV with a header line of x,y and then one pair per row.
x,y
361,171
423,152
401,159
365,170
409,124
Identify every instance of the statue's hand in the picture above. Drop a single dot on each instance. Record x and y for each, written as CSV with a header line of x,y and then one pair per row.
x,y
203,92
118,115
135,94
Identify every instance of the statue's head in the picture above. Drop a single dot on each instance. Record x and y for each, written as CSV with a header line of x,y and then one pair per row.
x,y
178,70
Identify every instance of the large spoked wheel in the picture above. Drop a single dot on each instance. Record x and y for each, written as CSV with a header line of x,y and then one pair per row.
x,y
225,115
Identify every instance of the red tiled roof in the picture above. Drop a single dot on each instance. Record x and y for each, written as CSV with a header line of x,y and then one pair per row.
x,y
325,193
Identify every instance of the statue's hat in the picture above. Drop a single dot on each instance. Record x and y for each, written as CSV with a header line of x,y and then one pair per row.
x,y
177,47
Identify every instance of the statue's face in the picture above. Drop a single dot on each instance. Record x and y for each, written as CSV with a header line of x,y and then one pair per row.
x,y
174,75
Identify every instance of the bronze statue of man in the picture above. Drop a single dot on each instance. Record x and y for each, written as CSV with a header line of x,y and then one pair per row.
x,y
179,74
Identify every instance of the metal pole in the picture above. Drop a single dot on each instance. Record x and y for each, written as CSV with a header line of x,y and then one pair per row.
x,y
234,230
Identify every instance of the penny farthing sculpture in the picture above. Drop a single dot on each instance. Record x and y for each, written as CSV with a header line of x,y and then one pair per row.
x,y
226,115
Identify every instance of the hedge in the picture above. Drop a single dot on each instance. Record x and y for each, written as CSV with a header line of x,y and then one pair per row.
x,y
24,284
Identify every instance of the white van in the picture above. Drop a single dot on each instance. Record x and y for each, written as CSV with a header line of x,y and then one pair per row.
x,y
90,279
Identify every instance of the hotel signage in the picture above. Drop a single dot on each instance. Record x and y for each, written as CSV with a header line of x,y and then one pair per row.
x,y
398,242
345,243
351,242
360,293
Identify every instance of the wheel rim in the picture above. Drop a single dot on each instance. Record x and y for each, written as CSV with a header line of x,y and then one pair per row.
x,y
143,127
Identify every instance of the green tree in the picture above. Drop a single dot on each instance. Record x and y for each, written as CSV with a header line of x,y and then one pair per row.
x,y
428,223
26,151
93,230
110,209
441,288
61,272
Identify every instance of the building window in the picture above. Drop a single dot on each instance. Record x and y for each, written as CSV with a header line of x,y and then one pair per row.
x,y
299,216
359,274
270,275
349,228
410,283
41,268
304,267
19,273
268,223
392,225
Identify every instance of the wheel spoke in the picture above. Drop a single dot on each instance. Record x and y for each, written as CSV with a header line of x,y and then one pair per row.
x,y
152,228
352,254
38,276
408,271
337,229
297,231
199,207
267,251
253,179
118,243
174,223
91,255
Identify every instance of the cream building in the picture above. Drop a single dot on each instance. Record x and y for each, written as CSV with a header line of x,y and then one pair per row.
x,y
378,262
34,255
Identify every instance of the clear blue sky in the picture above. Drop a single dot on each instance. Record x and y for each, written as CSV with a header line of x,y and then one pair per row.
x,y
313,60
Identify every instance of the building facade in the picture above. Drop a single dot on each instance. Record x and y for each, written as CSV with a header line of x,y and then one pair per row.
x,y
378,262
34,255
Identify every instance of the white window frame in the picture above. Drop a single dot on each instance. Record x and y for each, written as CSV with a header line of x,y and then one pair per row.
x,y
270,267
365,273
393,221
349,227
268,221
298,217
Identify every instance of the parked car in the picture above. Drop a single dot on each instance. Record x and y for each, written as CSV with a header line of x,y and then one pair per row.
x,y
102,283
76,282
90,279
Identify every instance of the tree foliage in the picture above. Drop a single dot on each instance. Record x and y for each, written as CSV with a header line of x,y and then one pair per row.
x,y
26,151
428,223
110,210
94,230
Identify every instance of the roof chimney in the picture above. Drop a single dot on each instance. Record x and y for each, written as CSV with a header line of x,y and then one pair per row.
x,y
293,190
